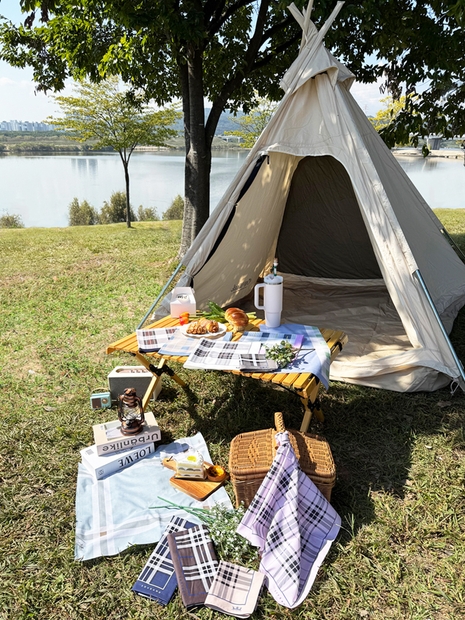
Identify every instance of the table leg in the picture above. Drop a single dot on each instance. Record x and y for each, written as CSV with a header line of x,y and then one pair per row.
x,y
162,368
311,407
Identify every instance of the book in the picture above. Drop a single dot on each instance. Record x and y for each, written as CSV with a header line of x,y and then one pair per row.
x,y
256,362
109,439
157,580
103,466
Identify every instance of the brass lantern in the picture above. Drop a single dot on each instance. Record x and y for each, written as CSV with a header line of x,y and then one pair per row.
x,y
130,412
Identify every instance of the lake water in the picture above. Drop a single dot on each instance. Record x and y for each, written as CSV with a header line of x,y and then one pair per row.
x,y
40,188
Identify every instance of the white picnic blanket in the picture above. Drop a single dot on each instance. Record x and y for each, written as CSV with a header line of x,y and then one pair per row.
x,y
114,513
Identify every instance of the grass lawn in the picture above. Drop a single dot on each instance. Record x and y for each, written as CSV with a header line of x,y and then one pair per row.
x,y
65,295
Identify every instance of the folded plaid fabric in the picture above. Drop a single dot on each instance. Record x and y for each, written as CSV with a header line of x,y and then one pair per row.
x,y
157,580
292,524
235,590
195,563
152,339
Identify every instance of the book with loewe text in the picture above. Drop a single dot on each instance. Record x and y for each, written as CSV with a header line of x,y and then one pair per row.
x,y
103,466
109,439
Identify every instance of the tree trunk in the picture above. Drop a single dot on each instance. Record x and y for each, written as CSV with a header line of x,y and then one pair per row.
x,y
198,152
128,208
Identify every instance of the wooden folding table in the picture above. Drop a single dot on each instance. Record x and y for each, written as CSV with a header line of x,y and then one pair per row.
x,y
305,385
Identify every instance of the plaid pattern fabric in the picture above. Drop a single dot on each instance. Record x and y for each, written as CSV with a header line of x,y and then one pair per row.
x,y
314,355
194,562
292,524
235,590
157,580
149,340
217,354
178,345
183,346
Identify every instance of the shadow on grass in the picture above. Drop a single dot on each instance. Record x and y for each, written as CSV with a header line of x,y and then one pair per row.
x,y
371,432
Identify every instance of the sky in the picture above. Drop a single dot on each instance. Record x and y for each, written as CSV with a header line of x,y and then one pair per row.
x,y
20,101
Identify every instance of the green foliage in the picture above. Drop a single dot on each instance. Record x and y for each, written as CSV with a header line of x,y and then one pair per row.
x,y
109,116
176,210
11,221
232,52
252,124
82,214
115,211
147,214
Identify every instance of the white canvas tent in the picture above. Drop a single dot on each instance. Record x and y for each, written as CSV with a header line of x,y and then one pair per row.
x,y
358,247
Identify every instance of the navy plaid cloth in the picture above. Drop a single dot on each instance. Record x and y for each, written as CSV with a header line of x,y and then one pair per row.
x,y
157,580
235,590
194,562
292,524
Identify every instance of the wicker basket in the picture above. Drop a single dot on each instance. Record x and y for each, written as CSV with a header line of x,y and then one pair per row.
x,y
251,455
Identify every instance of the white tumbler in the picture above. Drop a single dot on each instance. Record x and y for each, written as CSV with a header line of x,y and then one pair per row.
x,y
272,299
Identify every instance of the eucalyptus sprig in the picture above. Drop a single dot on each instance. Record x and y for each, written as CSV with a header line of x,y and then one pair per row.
x,y
222,524
282,353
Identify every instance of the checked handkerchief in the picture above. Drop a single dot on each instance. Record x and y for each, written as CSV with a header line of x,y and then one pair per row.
x,y
149,340
235,590
292,524
157,580
195,563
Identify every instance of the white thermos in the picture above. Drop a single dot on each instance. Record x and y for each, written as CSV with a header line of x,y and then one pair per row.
x,y
272,297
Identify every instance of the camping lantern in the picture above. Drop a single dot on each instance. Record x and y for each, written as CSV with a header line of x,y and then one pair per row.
x,y
130,412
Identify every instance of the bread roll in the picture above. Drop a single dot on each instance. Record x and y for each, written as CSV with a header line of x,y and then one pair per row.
x,y
237,318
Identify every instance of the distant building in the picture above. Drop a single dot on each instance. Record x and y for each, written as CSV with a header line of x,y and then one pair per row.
x,y
24,126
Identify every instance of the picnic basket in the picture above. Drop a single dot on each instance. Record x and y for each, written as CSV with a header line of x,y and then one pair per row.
x,y
251,455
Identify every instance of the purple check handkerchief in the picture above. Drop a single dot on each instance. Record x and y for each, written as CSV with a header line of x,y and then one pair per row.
x,y
292,524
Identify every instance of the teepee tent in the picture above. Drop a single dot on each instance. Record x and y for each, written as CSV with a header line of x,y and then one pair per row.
x,y
358,247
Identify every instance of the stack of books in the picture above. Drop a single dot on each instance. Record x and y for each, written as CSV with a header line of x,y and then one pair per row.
x,y
113,451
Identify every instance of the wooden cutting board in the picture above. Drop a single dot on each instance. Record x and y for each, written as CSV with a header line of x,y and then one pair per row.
x,y
198,489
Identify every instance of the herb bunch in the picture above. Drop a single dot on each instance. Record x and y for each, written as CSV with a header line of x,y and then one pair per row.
x,y
222,524
282,353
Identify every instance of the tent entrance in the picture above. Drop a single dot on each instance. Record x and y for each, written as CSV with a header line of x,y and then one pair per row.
x,y
322,233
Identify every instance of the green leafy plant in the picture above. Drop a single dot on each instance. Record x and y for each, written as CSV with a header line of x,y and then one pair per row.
x,y
282,353
11,221
115,211
147,214
176,210
82,214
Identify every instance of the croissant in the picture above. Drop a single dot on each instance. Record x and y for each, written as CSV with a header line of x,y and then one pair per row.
x,y
237,318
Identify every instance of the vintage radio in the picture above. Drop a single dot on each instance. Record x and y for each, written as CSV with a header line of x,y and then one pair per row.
x,y
100,399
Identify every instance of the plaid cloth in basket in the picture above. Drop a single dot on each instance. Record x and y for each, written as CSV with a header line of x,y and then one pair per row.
x,y
235,590
157,580
195,563
292,524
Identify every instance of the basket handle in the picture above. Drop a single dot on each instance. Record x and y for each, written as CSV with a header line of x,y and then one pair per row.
x,y
279,422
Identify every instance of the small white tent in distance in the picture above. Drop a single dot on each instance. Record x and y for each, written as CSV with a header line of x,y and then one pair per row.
x,y
357,245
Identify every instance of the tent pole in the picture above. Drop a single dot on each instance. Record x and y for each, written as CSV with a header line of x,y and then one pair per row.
x,y
422,283
452,242
162,292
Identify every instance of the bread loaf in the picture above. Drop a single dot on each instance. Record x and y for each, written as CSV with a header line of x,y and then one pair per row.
x,y
237,318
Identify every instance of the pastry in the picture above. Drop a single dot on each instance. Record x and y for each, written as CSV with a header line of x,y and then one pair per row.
x,y
237,318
